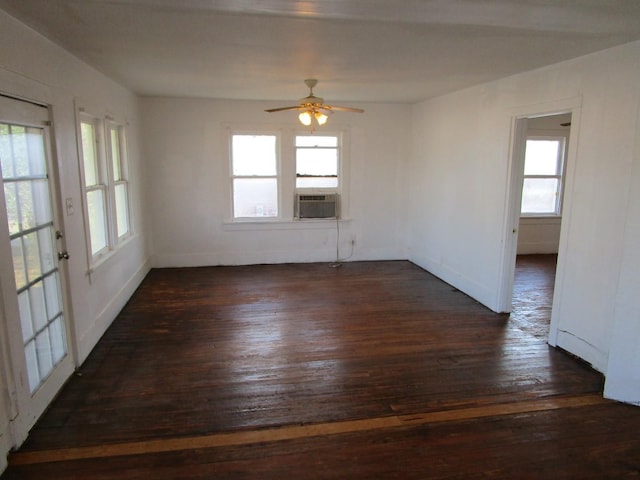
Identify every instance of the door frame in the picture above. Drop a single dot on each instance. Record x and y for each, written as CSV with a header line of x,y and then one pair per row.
x,y
519,119
22,415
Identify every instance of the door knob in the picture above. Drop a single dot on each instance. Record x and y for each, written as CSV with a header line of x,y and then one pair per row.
x,y
63,255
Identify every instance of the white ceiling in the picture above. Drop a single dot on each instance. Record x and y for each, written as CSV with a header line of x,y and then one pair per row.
x,y
360,50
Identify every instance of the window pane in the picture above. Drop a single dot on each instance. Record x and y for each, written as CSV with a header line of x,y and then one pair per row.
x,y
19,150
255,197
115,153
541,157
35,148
254,155
122,212
89,157
32,365
6,155
539,195
97,220
11,199
316,141
317,167
19,267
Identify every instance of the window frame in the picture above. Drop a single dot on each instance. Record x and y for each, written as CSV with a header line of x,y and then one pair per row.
x,y
559,176
121,181
339,176
103,125
100,185
277,176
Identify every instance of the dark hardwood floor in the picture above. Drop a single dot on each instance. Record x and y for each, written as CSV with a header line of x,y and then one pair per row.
x,y
371,370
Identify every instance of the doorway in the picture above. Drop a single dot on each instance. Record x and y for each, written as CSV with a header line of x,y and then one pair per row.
x,y
546,121
35,331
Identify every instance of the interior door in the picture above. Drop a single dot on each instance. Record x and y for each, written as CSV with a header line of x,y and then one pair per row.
x,y
33,271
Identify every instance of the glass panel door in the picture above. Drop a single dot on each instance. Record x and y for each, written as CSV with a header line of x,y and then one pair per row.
x,y
32,235
32,294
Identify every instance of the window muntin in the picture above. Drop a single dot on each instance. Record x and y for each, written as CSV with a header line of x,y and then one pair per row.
x,y
254,171
317,162
543,169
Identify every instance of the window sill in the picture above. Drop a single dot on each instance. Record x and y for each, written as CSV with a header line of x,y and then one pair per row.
x,y
303,224
97,263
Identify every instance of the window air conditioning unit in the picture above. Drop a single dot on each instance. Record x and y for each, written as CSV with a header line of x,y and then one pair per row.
x,y
317,206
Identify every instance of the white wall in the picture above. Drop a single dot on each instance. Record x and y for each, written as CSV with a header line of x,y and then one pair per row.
x,y
458,199
186,144
538,235
34,68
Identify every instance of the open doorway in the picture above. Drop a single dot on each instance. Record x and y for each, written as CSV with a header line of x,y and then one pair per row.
x,y
548,206
538,232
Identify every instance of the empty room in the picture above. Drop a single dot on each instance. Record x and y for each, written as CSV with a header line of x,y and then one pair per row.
x,y
341,239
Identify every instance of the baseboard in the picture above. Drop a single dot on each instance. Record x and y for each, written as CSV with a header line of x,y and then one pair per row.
x,y
106,317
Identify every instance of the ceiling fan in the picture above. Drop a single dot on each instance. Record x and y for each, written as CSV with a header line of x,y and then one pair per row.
x,y
313,107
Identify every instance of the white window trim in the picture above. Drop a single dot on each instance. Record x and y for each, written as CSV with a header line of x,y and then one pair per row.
x,y
110,125
561,164
102,124
278,176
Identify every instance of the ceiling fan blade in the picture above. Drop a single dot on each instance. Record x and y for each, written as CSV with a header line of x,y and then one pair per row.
x,y
342,109
270,110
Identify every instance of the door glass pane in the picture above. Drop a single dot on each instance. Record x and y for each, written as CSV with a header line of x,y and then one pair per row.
x,y
255,197
25,207
32,256
19,267
19,150
11,200
25,315
6,155
38,308
32,365
48,256
36,159
57,339
43,351
41,207
52,295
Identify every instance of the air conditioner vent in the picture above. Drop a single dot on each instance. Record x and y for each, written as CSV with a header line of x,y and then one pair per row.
x,y
316,206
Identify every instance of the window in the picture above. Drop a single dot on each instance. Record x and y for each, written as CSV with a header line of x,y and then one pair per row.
x,y
106,188
119,180
94,185
543,169
254,171
268,168
316,161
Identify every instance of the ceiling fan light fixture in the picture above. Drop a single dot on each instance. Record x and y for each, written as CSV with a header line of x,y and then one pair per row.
x,y
321,118
305,118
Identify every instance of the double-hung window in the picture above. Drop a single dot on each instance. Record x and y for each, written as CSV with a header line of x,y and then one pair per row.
x,y
106,188
117,157
254,172
543,170
95,185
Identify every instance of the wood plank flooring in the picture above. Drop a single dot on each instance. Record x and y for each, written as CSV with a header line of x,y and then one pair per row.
x,y
370,370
